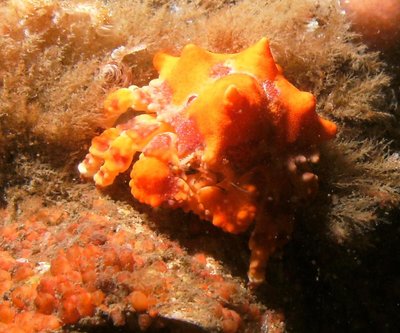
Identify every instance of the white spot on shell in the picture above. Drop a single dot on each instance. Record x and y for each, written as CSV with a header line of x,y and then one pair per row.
x,y
82,168
312,25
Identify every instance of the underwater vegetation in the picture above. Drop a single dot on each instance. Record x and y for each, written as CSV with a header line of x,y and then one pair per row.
x,y
72,255
82,264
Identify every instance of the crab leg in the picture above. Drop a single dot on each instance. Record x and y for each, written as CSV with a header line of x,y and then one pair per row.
x,y
149,98
156,178
112,152
265,239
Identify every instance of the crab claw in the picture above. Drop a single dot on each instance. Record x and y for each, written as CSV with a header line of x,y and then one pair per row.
x,y
119,101
97,152
153,182
156,177
111,153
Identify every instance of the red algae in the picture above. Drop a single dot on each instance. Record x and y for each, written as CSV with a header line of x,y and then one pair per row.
x,y
23,271
6,260
117,316
45,303
7,313
139,301
231,321
92,264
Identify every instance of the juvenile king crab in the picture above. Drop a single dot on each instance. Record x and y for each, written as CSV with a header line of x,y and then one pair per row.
x,y
225,136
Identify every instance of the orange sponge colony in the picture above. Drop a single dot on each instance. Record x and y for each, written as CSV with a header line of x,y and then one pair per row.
x,y
223,135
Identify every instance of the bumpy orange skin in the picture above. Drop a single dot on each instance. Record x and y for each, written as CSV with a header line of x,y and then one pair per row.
x,y
223,135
